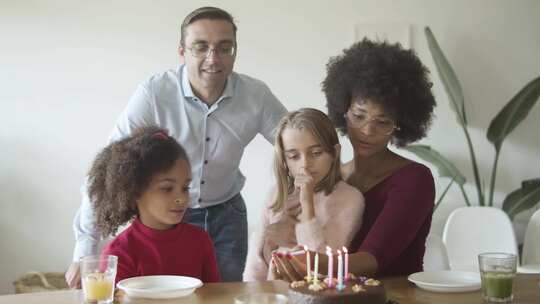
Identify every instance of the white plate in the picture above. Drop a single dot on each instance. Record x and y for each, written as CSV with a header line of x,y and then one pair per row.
x,y
447,281
531,268
159,287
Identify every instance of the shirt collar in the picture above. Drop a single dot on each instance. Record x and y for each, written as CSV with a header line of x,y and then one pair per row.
x,y
188,92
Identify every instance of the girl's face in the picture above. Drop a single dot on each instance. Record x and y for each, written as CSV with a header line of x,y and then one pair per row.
x,y
369,127
165,201
302,151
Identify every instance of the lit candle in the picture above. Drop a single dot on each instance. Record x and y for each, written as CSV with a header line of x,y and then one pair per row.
x,y
330,282
346,263
316,266
308,262
339,271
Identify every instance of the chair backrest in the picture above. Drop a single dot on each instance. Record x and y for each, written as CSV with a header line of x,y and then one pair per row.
x,y
531,244
435,257
470,231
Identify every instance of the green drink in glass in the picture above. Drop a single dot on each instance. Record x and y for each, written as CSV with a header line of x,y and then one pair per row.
x,y
497,284
497,271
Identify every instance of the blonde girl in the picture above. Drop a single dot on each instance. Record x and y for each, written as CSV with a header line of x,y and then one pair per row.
x,y
311,205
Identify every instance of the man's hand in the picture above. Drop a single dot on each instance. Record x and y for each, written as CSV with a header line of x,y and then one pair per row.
x,y
279,234
73,275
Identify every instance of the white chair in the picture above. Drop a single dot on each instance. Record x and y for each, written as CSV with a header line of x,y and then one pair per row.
x,y
531,246
470,231
435,257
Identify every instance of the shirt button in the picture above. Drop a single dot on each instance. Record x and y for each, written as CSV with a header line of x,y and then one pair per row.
x,y
206,162
202,182
208,139
200,200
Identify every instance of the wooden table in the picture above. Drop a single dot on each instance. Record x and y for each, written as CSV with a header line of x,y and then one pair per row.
x,y
526,291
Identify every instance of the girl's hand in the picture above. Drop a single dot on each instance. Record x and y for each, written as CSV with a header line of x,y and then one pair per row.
x,y
305,183
293,211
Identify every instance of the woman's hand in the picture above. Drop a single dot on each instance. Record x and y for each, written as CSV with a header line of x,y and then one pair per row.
x,y
287,267
73,275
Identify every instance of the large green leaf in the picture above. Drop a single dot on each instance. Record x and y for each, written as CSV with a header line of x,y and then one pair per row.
x,y
439,200
523,198
513,113
530,182
444,166
448,77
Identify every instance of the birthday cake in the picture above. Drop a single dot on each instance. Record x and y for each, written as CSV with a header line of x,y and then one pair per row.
x,y
356,290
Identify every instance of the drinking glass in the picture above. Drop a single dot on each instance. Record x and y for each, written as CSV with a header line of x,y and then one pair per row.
x,y
98,273
497,271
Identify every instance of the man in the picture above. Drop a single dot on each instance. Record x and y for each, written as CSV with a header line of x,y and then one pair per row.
x,y
214,113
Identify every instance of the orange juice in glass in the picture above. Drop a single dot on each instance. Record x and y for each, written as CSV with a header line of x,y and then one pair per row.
x,y
97,276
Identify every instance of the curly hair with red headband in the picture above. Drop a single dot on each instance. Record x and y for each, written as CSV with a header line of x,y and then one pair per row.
x,y
122,172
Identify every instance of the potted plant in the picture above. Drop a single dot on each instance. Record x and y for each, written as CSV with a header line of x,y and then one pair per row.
x,y
508,118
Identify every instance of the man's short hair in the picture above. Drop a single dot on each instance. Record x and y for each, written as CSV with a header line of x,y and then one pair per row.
x,y
207,12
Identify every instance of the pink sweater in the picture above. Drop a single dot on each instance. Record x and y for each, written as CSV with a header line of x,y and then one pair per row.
x,y
338,217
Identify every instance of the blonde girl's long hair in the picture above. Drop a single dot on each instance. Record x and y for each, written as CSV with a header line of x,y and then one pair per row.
x,y
323,130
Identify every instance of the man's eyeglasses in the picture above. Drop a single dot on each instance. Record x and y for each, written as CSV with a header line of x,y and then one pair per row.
x,y
204,50
380,126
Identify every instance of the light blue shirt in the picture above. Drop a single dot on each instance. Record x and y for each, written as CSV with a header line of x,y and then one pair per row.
x,y
214,137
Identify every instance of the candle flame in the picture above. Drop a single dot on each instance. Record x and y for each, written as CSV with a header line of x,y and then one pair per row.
x,y
306,248
339,252
328,249
344,249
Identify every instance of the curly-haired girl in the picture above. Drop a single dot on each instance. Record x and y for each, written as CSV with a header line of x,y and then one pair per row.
x,y
145,178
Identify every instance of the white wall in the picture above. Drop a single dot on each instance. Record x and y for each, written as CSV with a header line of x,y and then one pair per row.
x,y
67,69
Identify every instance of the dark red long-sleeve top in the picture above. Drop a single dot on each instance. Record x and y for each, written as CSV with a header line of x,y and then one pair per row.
x,y
397,219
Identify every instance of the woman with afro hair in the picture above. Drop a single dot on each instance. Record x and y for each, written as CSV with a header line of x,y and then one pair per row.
x,y
379,94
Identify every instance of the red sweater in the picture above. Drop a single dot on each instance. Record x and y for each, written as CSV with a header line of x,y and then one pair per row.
x,y
183,250
397,218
